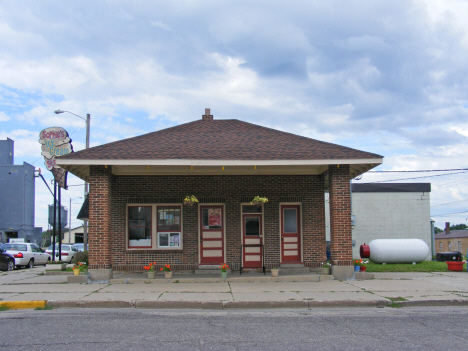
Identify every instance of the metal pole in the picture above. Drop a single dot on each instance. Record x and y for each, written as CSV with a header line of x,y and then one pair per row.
x,y
55,219
60,222
69,222
85,223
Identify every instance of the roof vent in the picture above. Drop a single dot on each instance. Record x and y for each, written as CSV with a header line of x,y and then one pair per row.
x,y
207,115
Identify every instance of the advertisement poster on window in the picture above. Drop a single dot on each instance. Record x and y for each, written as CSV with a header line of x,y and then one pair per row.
x,y
214,217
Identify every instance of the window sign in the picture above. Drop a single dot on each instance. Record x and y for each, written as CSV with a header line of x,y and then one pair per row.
x,y
212,218
169,239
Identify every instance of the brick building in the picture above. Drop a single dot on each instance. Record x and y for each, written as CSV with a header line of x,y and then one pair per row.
x,y
451,240
137,187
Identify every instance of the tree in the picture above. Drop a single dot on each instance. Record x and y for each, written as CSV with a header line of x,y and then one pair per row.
x,y
460,226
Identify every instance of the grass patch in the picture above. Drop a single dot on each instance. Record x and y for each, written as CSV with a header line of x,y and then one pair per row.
x,y
45,308
399,298
175,282
426,266
3,308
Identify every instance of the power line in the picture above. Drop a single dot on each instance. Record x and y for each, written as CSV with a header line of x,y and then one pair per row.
x,y
449,214
450,203
423,170
436,175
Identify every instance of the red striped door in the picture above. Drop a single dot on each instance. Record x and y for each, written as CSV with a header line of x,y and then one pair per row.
x,y
290,234
211,235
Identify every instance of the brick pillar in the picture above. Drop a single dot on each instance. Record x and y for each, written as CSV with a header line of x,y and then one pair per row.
x,y
341,249
100,261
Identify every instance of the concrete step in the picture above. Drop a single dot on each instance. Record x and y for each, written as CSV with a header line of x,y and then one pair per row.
x,y
210,269
293,268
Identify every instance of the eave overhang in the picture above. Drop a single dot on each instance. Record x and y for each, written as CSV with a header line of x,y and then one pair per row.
x,y
80,168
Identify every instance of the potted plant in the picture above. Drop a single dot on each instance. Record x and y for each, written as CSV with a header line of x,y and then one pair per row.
x,y
150,269
257,200
224,268
326,267
190,200
274,272
77,268
358,264
364,266
167,271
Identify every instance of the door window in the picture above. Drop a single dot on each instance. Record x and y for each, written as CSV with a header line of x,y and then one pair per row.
x,y
252,226
211,218
290,220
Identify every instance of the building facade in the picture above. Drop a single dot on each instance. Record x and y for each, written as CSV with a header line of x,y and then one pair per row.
x,y
137,186
17,196
451,240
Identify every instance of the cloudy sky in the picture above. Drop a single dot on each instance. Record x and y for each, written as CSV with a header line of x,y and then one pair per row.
x,y
389,77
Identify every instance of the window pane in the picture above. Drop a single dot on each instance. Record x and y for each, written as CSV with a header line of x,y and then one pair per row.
x,y
211,218
139,226
251,209
252,226
163,239
289,220
168,218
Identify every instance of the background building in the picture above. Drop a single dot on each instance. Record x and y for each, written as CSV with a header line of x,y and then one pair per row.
x,y
389,211
17,195
451,240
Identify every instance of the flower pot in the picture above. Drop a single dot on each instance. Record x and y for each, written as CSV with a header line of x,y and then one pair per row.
x,y
326,270
151,275
224,275
76,271
363,268
454,265
274,272
357,268
168,275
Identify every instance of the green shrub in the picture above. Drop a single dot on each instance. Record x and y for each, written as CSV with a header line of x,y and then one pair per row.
x,y
81,256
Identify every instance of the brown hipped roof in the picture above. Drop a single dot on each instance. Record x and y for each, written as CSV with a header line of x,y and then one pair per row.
x,y
229,139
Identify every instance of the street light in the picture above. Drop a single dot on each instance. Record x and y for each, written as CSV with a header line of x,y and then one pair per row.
x,y
69,222
85,224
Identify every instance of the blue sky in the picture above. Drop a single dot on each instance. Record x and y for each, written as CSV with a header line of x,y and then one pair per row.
x,y
388,77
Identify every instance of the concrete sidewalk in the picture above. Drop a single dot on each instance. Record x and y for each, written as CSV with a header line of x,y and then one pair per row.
x,y
251,290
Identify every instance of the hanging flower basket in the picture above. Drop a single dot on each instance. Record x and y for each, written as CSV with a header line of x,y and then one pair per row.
x,y
190,200
257,201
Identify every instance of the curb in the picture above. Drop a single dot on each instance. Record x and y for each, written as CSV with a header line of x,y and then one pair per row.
x,y
15,305
227,305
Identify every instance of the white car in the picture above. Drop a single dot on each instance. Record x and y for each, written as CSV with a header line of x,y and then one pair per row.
x,y
26,254
68,252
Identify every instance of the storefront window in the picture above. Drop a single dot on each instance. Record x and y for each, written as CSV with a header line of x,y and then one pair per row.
x,y
169,223
139,226
165,221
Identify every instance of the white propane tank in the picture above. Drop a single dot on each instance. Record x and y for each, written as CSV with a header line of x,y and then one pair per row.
x,y
398,250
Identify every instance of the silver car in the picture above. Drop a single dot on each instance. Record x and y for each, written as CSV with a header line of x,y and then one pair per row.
x,y
26,254
67,251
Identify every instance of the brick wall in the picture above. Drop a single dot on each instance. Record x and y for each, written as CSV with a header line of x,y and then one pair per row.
x,y
231,188
453,246
100,190
340,216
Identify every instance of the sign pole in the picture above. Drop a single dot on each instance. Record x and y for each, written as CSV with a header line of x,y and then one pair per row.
x,y
55,219
60,222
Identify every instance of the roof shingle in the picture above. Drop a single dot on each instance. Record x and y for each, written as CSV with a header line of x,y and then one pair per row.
x,y
219,140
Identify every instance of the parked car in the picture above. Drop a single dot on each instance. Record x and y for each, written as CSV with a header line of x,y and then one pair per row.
x,y
7,261
68,252
79,247
26,254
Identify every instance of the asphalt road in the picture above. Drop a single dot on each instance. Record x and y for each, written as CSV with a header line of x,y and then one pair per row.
x,y
437,328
